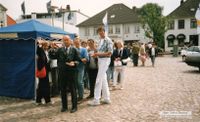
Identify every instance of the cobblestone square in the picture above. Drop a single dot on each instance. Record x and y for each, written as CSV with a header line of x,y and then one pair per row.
x,y
171,86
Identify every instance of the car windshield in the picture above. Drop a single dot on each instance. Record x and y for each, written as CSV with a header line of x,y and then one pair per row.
x,y
190,48
196,49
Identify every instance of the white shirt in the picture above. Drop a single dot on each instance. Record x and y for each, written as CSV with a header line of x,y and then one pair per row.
x,y
153,51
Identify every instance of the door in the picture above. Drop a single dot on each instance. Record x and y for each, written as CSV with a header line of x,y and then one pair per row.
x,y
194,40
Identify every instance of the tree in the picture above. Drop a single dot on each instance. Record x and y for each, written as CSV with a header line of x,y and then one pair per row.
x,y
153,22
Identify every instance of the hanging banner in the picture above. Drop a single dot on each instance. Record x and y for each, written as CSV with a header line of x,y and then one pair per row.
x,y
197,16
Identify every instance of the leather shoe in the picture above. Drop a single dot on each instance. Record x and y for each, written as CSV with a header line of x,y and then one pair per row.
x,y
73,110
63,109
80,99
89,97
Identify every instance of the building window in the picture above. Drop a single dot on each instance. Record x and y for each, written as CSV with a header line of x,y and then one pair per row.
x,y
126,29
137,29
193,23
181,24
110,30
95,31
170,43
117,29
87,31
171,25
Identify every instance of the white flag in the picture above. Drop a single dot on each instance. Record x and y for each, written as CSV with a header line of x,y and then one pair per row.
x,y
105,22
197,16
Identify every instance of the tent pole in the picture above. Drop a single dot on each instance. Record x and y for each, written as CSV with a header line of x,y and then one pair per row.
x,y
35,84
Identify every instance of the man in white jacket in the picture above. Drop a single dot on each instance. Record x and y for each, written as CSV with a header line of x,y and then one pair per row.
x,y
105,48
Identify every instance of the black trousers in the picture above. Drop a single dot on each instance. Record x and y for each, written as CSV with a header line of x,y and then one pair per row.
x,y
68,84
43,90
135,59
54,76
92,73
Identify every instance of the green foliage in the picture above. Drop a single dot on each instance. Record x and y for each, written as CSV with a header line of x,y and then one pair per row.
x,y
153,22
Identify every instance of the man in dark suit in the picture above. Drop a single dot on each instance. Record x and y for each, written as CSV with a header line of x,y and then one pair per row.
x,y
67,59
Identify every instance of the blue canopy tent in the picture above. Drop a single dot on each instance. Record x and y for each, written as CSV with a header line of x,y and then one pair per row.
x,y
17,56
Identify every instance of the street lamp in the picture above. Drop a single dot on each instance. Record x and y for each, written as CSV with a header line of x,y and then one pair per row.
x,y
63,11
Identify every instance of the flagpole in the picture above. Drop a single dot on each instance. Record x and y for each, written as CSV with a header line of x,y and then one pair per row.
x,y
105,22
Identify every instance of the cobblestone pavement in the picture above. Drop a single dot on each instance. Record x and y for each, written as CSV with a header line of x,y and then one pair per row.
x,y
171,86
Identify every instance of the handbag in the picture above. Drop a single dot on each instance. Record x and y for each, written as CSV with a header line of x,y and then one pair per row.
x,y
41,73
117,63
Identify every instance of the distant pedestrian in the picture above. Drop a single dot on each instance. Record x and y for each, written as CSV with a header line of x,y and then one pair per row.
x,y
153,53
142,54
135,53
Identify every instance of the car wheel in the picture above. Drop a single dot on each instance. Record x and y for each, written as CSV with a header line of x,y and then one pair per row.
x,y
183,58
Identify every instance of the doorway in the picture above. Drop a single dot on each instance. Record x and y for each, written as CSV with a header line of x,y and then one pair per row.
x,y
194,40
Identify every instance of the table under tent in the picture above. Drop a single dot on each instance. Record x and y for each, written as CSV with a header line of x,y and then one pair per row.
x,y
17,56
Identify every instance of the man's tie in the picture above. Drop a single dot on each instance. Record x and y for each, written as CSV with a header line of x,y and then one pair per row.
x,y
66,49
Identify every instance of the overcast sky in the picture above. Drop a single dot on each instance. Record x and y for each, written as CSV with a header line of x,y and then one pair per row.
x,y
88,7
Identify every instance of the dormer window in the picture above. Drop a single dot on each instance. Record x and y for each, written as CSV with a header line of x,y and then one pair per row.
x,y
112,16
192,9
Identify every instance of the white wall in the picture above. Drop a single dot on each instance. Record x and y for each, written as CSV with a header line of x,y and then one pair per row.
x,y
130,36
186,31
69,25
3,17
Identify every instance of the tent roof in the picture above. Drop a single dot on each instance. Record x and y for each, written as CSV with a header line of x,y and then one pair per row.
x,y
33,26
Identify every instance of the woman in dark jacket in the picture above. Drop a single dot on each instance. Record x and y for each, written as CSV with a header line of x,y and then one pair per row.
x,y
43,89
119,54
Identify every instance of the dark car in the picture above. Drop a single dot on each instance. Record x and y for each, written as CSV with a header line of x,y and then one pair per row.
x,y
193,59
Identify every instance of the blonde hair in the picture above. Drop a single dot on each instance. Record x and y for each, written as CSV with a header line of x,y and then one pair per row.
x,y
121,42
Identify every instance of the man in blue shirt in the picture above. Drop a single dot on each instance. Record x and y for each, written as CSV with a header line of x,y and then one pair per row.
x,y
81,67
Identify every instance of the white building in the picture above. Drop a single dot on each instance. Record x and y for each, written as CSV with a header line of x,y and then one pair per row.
x,y
56,19
123,24
183,26
3,18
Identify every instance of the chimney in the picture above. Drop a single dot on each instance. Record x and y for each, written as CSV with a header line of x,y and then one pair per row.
x,y
134,8
182,1
33,15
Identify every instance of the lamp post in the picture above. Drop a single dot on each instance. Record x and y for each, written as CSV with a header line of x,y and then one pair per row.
x,y
53,7
63,11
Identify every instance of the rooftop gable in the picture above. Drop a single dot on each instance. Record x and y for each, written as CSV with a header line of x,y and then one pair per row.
x,y
185,10
117,14
3,8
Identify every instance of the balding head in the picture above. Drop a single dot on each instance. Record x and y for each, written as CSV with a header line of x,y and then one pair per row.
x,y
66,40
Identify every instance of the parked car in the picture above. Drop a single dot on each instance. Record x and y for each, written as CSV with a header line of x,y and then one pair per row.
x,y
193,59
186,51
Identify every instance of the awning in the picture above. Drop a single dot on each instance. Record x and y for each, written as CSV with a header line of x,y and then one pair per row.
x,y
181,37
171,37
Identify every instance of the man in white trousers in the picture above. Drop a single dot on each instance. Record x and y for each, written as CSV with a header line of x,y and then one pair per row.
x,y
104,52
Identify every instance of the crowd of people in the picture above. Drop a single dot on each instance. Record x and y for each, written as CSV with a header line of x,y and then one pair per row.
x,y
76,64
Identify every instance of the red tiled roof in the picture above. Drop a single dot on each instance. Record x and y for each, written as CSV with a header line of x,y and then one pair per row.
x,y
10,21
